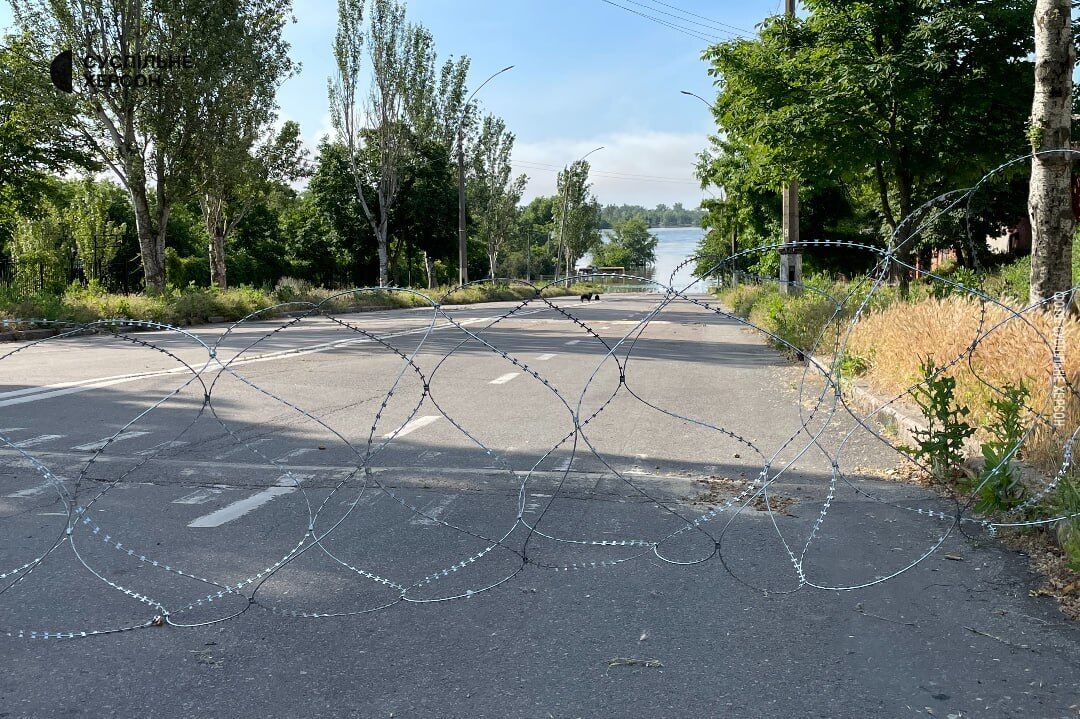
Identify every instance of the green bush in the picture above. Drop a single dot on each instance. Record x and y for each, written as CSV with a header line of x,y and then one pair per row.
x,y
941,444
1067,504
999,486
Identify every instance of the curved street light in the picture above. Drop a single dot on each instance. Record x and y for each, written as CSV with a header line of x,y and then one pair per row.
x,y
562,217
463,254
723,190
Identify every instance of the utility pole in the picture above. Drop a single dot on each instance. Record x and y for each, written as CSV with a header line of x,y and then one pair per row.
x,y
528,256
463,239
790,260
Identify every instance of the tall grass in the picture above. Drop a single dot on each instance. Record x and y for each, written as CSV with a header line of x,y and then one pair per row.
x,y
1009,351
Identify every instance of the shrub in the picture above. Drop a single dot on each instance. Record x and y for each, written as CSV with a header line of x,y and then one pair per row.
x,y
941,444
998,486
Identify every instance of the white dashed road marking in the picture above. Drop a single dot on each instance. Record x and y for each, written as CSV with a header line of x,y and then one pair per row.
x,y
410,427
100,444
285,485
433,510
40,439
544,357
161,448
505,378
200,496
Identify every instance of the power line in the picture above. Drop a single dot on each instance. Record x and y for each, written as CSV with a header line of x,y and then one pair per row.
x,y
741,30
696,34
694,24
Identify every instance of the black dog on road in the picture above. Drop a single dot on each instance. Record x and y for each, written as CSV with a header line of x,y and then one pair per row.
x,y
589,297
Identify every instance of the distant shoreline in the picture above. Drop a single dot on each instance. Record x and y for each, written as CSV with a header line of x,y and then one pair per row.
x,y
669,227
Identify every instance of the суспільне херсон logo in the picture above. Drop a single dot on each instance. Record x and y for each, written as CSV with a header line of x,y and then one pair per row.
x,y
102,72
60,71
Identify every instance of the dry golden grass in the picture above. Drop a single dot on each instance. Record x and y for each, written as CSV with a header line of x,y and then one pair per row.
x,y
898,337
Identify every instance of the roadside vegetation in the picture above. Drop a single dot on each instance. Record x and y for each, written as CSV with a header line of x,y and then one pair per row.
x,y
974,439
197,305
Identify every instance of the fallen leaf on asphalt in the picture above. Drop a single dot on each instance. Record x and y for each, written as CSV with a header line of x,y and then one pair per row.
x,y
954,557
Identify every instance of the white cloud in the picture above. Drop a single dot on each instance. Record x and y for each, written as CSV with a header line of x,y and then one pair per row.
x,y
641,168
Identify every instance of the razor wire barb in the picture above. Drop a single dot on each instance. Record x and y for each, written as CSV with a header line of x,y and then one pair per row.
x,y
821,403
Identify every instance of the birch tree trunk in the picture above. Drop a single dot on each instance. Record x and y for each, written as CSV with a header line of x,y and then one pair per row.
x,y
429,265
1050,192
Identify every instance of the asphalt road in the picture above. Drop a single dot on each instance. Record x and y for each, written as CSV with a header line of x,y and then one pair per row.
x,y
638,597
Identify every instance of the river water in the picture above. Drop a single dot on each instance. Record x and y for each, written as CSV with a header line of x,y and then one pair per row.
x,y
675,245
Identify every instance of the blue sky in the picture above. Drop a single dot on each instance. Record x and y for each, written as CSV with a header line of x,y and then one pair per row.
x,y
587,73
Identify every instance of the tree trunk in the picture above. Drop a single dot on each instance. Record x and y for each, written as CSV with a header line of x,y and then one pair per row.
x,y
215,230
905,247
429,265
1050,195
492,258
217,259
383,259
153,262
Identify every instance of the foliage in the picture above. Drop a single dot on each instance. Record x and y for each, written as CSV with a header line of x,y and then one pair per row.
x,y
883,104
998,485
41,249
659,216
38,138
97,237
632,245
1067,504
577,215
494,193
194,305
799,324
941,443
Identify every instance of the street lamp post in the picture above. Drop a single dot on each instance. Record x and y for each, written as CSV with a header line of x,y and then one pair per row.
x,y
562,216
723,198
463,253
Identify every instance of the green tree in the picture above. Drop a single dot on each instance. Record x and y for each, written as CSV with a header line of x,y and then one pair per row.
x,y
142,122
632,245
577,215
97,238
494,191
237,157
41,249
895,100
399,98
38,139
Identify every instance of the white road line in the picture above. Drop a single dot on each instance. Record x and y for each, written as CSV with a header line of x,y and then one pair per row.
x,y
286,485
505,378
33,491
34,441
33,394
410,427
573,342
160,448
199,496
294,453
100,444
638,322
433,510
242,447
544,357
6,430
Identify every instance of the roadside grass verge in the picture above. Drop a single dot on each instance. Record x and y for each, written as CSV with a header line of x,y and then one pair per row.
x,y
197,305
